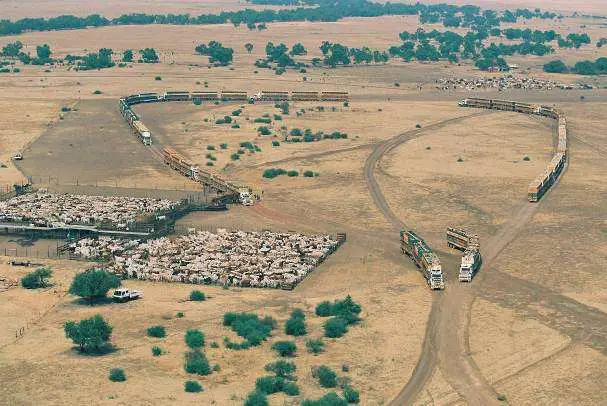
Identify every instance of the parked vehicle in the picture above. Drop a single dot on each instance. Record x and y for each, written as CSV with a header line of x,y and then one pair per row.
x,y
125,295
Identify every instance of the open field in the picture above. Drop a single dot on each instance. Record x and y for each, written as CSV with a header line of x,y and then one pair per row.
x,y
530,326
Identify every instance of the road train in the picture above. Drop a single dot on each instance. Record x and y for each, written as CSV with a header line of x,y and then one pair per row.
x,y
145,135
539,186
472,259
416,248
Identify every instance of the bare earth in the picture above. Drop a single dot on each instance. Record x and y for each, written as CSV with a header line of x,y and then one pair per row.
x,y
531,326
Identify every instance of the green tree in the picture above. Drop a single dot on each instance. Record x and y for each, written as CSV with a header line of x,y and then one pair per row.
x,y
43,52
298,49
93,284
36,279
556,66
285,348
249,47
335,327
327,378
12,49
149,55
256,398
296,325
156,331
196,363
194,339
91,335
127,56
283,369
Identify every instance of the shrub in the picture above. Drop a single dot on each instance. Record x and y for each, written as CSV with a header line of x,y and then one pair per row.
x,y
327,378
290,388
36,279
223,146
418,126
308,174
210,147
180,315
91,335
65,109
460,159
197,296
192,387
214,344
323,309
117,375
235,157
157,78
247,144
249,326
282,368
235,125
93,284
209,163
97,91
265,120
194,339
351,395
276,143
296,132
277,117
526,158
396,84
156,351
335,327
236,112
196,363
556,66
330,399
292,174
285,348
315,346
256,398
269,384
501,398
296,325
273,172
156,331
264,131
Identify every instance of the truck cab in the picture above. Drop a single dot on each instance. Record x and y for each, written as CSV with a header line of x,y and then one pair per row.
x,y
124,295
436,280
245,198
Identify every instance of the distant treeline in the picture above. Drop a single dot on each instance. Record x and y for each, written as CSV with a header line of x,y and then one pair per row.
x,y
321,10
598,67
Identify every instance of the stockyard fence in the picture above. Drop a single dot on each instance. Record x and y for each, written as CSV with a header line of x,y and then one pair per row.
x,y
185,190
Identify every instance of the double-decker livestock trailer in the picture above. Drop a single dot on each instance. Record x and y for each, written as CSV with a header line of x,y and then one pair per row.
x,y
416,248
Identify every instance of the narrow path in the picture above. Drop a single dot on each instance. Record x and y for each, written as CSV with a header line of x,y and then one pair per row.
x,y
444,303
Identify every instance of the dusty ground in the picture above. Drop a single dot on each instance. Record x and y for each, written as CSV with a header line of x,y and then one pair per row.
x,y
536,329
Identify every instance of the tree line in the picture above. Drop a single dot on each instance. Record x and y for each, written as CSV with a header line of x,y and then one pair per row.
x,y
586,67
324,10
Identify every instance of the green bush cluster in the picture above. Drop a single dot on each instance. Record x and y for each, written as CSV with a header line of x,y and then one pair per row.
x,y
315,346
193,387
196,363
249,326
281,382
345,312
276,143
264,120
327,378
285,348
117,375
156,331
296,324
273,172
194,339
156,351
330,399
197,296
37,279
256,398
264,130
224,120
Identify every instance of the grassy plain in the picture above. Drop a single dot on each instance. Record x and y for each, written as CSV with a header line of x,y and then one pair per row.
x,y
523,341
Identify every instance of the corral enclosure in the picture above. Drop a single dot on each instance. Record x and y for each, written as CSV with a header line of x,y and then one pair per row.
x,y
529,322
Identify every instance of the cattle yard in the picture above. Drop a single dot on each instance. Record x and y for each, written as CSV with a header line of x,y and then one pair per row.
x,y
462,227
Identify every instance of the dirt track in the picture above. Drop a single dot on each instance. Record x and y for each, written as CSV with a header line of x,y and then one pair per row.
x,y
446,342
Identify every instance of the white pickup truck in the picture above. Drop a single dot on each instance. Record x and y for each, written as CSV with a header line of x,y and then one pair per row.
x,y
124,295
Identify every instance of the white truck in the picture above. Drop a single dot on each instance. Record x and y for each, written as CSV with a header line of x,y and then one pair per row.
x,y
245,198
471,263
471,260
124,295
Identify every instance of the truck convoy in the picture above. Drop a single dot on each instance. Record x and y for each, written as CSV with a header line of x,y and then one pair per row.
x,y
188,169
416,248
539,186
472,260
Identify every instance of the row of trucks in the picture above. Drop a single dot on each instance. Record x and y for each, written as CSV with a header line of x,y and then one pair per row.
x,y
428,262
188,169
471,260
539,186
